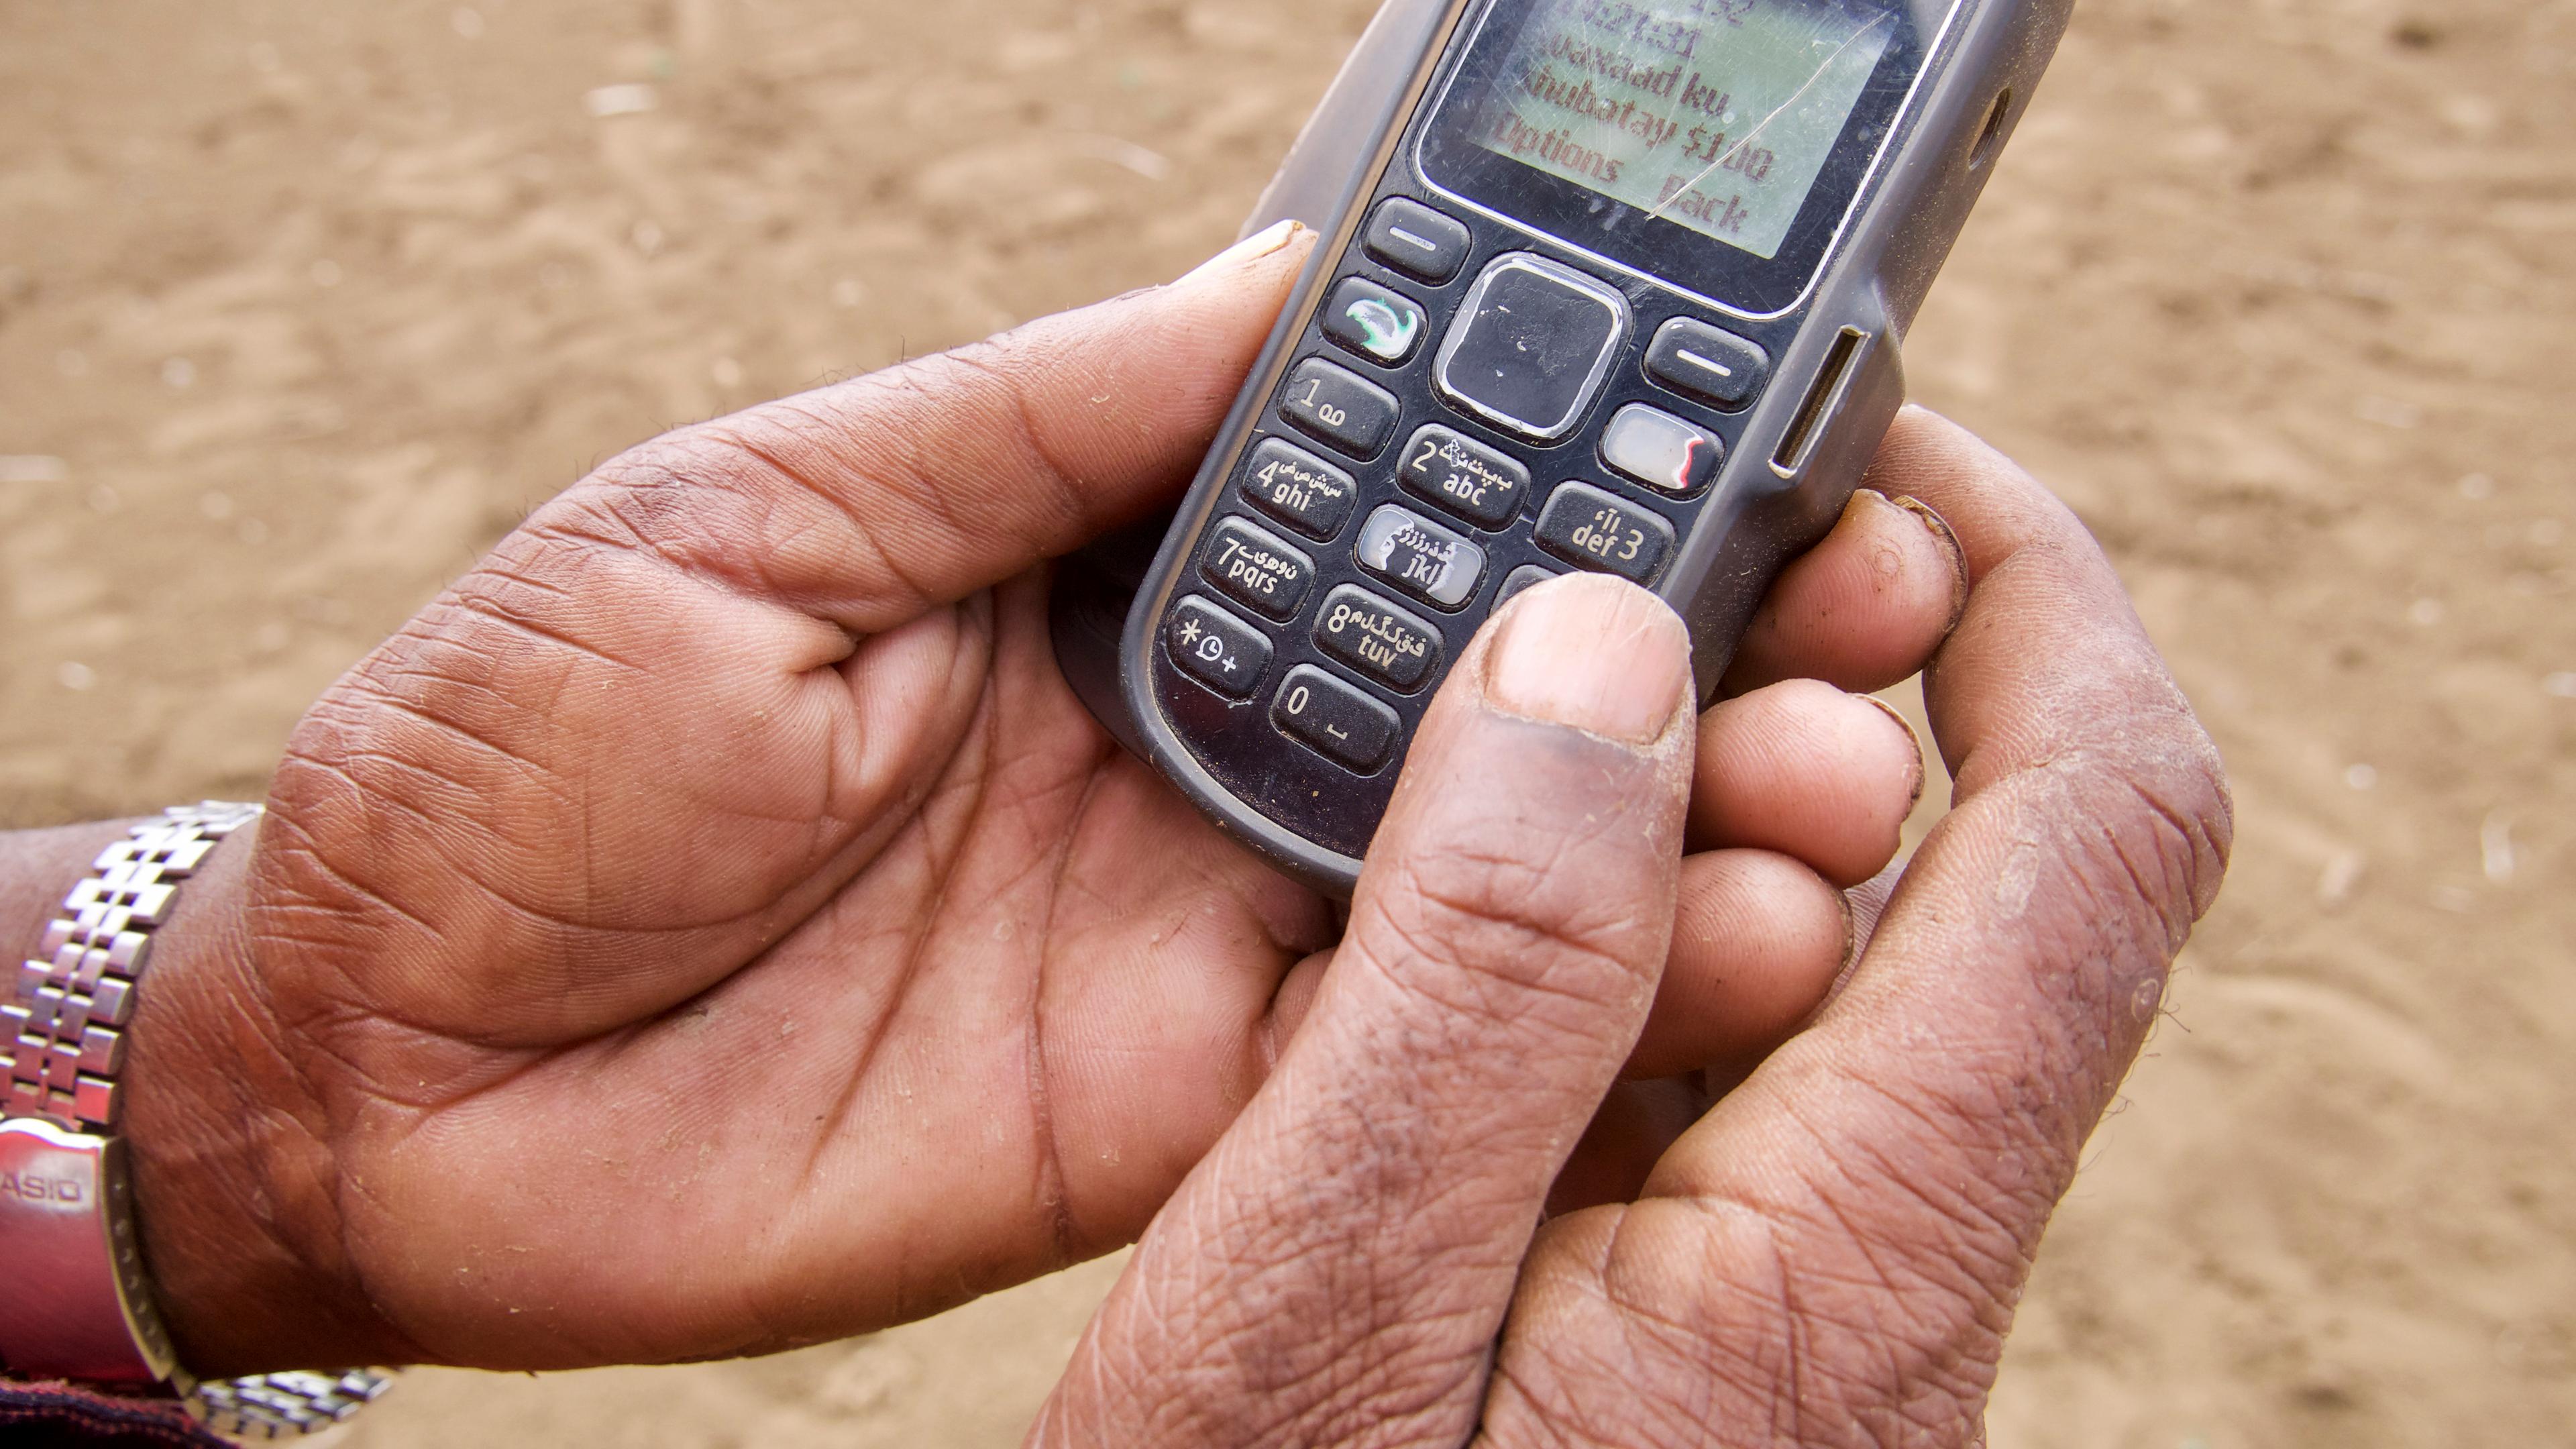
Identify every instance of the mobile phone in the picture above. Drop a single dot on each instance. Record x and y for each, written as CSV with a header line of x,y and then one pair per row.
x,y
1615,285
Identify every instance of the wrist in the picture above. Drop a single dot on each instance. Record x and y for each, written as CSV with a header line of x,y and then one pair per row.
x,y
230,1169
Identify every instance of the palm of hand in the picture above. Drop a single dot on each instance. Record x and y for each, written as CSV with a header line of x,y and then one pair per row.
x,y
669,927
715,1030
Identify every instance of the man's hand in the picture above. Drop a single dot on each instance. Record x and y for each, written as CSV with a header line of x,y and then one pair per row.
x,y
1832,1254
712,926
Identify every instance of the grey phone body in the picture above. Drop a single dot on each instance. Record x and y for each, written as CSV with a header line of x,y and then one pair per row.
x,y
1792,455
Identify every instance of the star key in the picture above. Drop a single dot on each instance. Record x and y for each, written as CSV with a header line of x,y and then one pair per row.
x,y
1215,648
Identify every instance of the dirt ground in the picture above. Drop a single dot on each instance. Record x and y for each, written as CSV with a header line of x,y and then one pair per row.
x,y
303,303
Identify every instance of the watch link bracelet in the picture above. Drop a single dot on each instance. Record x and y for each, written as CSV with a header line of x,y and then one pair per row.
x,y
77,1304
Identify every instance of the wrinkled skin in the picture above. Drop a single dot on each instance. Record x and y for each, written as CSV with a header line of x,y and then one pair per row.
x,y
1829,1256
712,926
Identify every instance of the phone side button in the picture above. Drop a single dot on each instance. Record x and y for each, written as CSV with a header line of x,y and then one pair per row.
x,y
1334,720
1215,648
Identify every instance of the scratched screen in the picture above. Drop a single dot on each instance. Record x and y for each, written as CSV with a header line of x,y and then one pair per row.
x,y
1715,114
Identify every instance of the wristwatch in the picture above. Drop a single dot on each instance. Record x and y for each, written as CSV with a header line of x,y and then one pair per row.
x,y
74,1300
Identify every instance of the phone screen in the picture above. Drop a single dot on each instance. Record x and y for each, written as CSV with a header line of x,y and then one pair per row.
x,y
1713,143
1716,114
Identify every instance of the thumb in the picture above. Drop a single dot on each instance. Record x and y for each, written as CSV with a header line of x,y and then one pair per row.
x,y
869,501
1335,1271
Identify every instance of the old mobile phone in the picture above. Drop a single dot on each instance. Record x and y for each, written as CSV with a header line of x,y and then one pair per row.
x,y
1604,284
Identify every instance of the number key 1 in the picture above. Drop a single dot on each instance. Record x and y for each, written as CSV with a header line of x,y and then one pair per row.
x,y
1339,407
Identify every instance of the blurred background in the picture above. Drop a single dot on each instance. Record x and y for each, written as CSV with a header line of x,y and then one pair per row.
x,y
303,303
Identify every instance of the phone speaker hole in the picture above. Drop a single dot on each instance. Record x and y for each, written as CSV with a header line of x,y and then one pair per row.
x,y
1991,139
1800,439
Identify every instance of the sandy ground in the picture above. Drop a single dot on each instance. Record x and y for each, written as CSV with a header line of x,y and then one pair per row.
x,y
303,303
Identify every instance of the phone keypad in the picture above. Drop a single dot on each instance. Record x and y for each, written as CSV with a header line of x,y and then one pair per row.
x,y
1299,489
1396,648
1257,567
1341,723
1661,451
1432,562
1417,241
1401,466
1483,485
1600,530
1215,648
1340,407
1522,580
1383,326
1709,364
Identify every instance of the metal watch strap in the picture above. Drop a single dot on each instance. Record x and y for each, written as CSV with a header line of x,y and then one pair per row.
x,y
282,1405
61,1059
66,1027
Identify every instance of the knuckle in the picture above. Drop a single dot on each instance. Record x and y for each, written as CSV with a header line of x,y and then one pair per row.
x,y
657,498
1949,1200
997,376
1265,1363
1824,1335
724,500
1503,925
2144,828
2188,797
1741,1320
860,482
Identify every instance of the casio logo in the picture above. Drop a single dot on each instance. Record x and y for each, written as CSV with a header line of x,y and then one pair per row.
x,y
28,1187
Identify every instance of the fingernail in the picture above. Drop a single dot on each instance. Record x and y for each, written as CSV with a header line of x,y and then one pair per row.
x,y
1922,766
1252,248
1950,549
1593,653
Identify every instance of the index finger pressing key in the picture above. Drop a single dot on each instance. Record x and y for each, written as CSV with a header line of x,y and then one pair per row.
x,y
1833,1254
